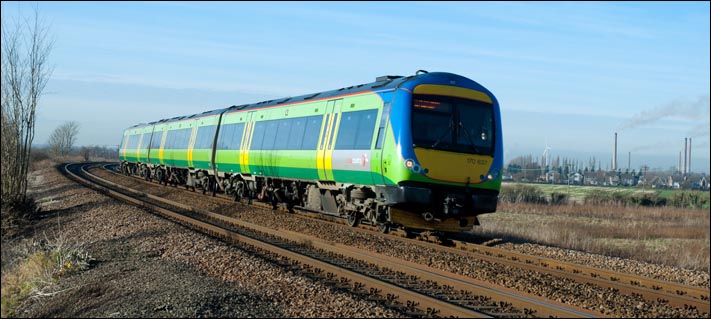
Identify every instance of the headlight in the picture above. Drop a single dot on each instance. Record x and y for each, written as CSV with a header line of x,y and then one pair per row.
x,y
409,163
494,174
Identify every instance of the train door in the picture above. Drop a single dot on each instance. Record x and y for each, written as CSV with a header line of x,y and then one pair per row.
x,y
376,164
151,154
324,162
191,143
245,143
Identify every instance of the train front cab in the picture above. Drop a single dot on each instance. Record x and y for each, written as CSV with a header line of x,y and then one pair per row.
x,y
448,134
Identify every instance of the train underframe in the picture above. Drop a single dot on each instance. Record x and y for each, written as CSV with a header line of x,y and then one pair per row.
x,y
409,207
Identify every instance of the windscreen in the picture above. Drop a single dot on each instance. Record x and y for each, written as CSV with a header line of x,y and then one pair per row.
x,y
453,124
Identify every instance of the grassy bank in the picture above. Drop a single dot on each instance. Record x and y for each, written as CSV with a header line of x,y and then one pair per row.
x,y
664,235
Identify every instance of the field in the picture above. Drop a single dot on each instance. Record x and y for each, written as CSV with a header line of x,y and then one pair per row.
x,y
665,235
578,193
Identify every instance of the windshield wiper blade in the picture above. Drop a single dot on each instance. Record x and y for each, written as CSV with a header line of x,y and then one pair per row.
x,y
469,137
449,130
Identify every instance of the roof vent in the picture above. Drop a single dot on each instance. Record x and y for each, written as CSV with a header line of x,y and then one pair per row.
x,y
387,77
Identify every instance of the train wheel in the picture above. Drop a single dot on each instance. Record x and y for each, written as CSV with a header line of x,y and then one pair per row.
x,y
239,191
213,186
410,234
384,228
353,219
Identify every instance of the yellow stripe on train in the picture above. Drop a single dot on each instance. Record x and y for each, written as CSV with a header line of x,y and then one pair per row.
x,y
446,90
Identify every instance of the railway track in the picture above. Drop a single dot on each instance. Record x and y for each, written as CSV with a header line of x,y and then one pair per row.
x,y
414,289
674,294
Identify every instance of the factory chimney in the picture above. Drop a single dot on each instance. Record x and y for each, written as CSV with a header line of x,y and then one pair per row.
x,y
679,166
629,160
686,153
614,155
688,165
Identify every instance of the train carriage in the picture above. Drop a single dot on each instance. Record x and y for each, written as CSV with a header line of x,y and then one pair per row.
x,y
135,147
419,152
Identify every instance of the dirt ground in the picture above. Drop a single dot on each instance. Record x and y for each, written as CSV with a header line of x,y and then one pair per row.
x,y
145,266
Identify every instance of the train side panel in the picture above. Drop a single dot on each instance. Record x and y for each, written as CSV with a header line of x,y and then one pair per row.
x,y
132,147
179,135
322,140
352,150
200,151
143,144
284,141
155,153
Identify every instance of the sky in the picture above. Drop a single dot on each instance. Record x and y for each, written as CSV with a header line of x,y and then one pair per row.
x,y
567,75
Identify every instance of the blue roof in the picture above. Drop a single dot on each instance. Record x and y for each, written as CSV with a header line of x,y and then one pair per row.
x,y
381,83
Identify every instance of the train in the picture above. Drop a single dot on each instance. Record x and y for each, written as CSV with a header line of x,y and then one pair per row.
x,y
420,152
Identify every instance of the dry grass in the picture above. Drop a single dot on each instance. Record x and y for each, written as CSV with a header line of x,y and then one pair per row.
x,y
30,269
664,235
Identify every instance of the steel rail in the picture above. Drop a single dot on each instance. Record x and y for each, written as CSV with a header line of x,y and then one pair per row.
x,y
531,304
675,294
425,304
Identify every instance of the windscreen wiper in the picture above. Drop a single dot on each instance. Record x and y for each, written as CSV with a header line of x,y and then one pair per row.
x,y
469,137
449,130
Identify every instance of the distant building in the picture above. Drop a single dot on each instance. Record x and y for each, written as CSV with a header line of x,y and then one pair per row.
x,y
696,182
704,184
577,179
613,180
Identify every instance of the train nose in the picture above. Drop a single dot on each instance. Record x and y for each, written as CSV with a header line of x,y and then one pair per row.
x,y
451,167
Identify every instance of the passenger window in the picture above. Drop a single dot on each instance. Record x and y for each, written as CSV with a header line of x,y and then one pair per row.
x,y
356,130
182,143
224,139
205,136
258,135
155,140
123,142
132,142
186,137
146,140
168,140
313,128
282,136
364,134
347,131
296,134
237,132
270,135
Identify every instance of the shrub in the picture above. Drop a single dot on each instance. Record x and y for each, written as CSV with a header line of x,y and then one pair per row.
x,y
648,199
688,199
522,194
598,197
558,198
16,214
39,154
33,267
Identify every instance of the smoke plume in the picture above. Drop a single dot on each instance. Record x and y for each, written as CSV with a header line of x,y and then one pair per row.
x,y
698,111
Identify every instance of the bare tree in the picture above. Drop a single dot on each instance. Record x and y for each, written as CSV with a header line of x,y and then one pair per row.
x,y
26,46
85,153
63,138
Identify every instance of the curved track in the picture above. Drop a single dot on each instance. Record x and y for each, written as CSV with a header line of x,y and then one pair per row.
x,y
414,289
675,294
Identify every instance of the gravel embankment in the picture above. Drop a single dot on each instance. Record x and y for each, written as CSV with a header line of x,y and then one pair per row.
x,y
606,301
146,266
661,272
